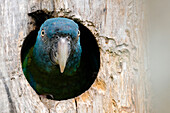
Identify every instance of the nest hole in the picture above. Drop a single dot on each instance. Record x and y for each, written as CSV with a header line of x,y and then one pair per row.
x,y
90,58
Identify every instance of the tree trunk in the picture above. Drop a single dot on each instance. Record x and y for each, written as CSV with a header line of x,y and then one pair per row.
x,y
118,25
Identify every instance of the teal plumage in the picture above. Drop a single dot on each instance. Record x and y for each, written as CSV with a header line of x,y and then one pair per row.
x,y
43,73
55,62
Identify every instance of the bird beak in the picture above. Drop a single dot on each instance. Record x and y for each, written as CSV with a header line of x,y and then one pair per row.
x,y
63,53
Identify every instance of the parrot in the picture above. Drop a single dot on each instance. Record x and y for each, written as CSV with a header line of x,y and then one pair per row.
x,y
58,61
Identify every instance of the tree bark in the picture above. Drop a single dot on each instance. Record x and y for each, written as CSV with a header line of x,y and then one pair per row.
x,y
118,25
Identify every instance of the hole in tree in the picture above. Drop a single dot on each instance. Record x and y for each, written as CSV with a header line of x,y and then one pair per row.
x,y
61,87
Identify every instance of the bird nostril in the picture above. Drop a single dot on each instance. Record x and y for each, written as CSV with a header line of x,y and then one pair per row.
x,y
68,37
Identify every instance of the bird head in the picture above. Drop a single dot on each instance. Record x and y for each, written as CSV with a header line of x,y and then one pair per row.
x,y
58,37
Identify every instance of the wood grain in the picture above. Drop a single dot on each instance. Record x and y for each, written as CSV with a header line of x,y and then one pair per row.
x,y
118,25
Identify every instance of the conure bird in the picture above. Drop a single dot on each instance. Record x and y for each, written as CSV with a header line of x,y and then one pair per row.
x,y
51,65
57,64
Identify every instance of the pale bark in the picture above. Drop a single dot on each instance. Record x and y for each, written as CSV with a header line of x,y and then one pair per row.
x,y
118,25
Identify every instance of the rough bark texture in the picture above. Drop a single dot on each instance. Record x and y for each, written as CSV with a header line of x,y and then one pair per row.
x,y
118,26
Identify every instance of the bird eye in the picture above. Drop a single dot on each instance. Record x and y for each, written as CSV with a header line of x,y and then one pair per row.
x,y
78,33
42,32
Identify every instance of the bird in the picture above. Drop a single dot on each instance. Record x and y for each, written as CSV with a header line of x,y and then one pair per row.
x,y
53,66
